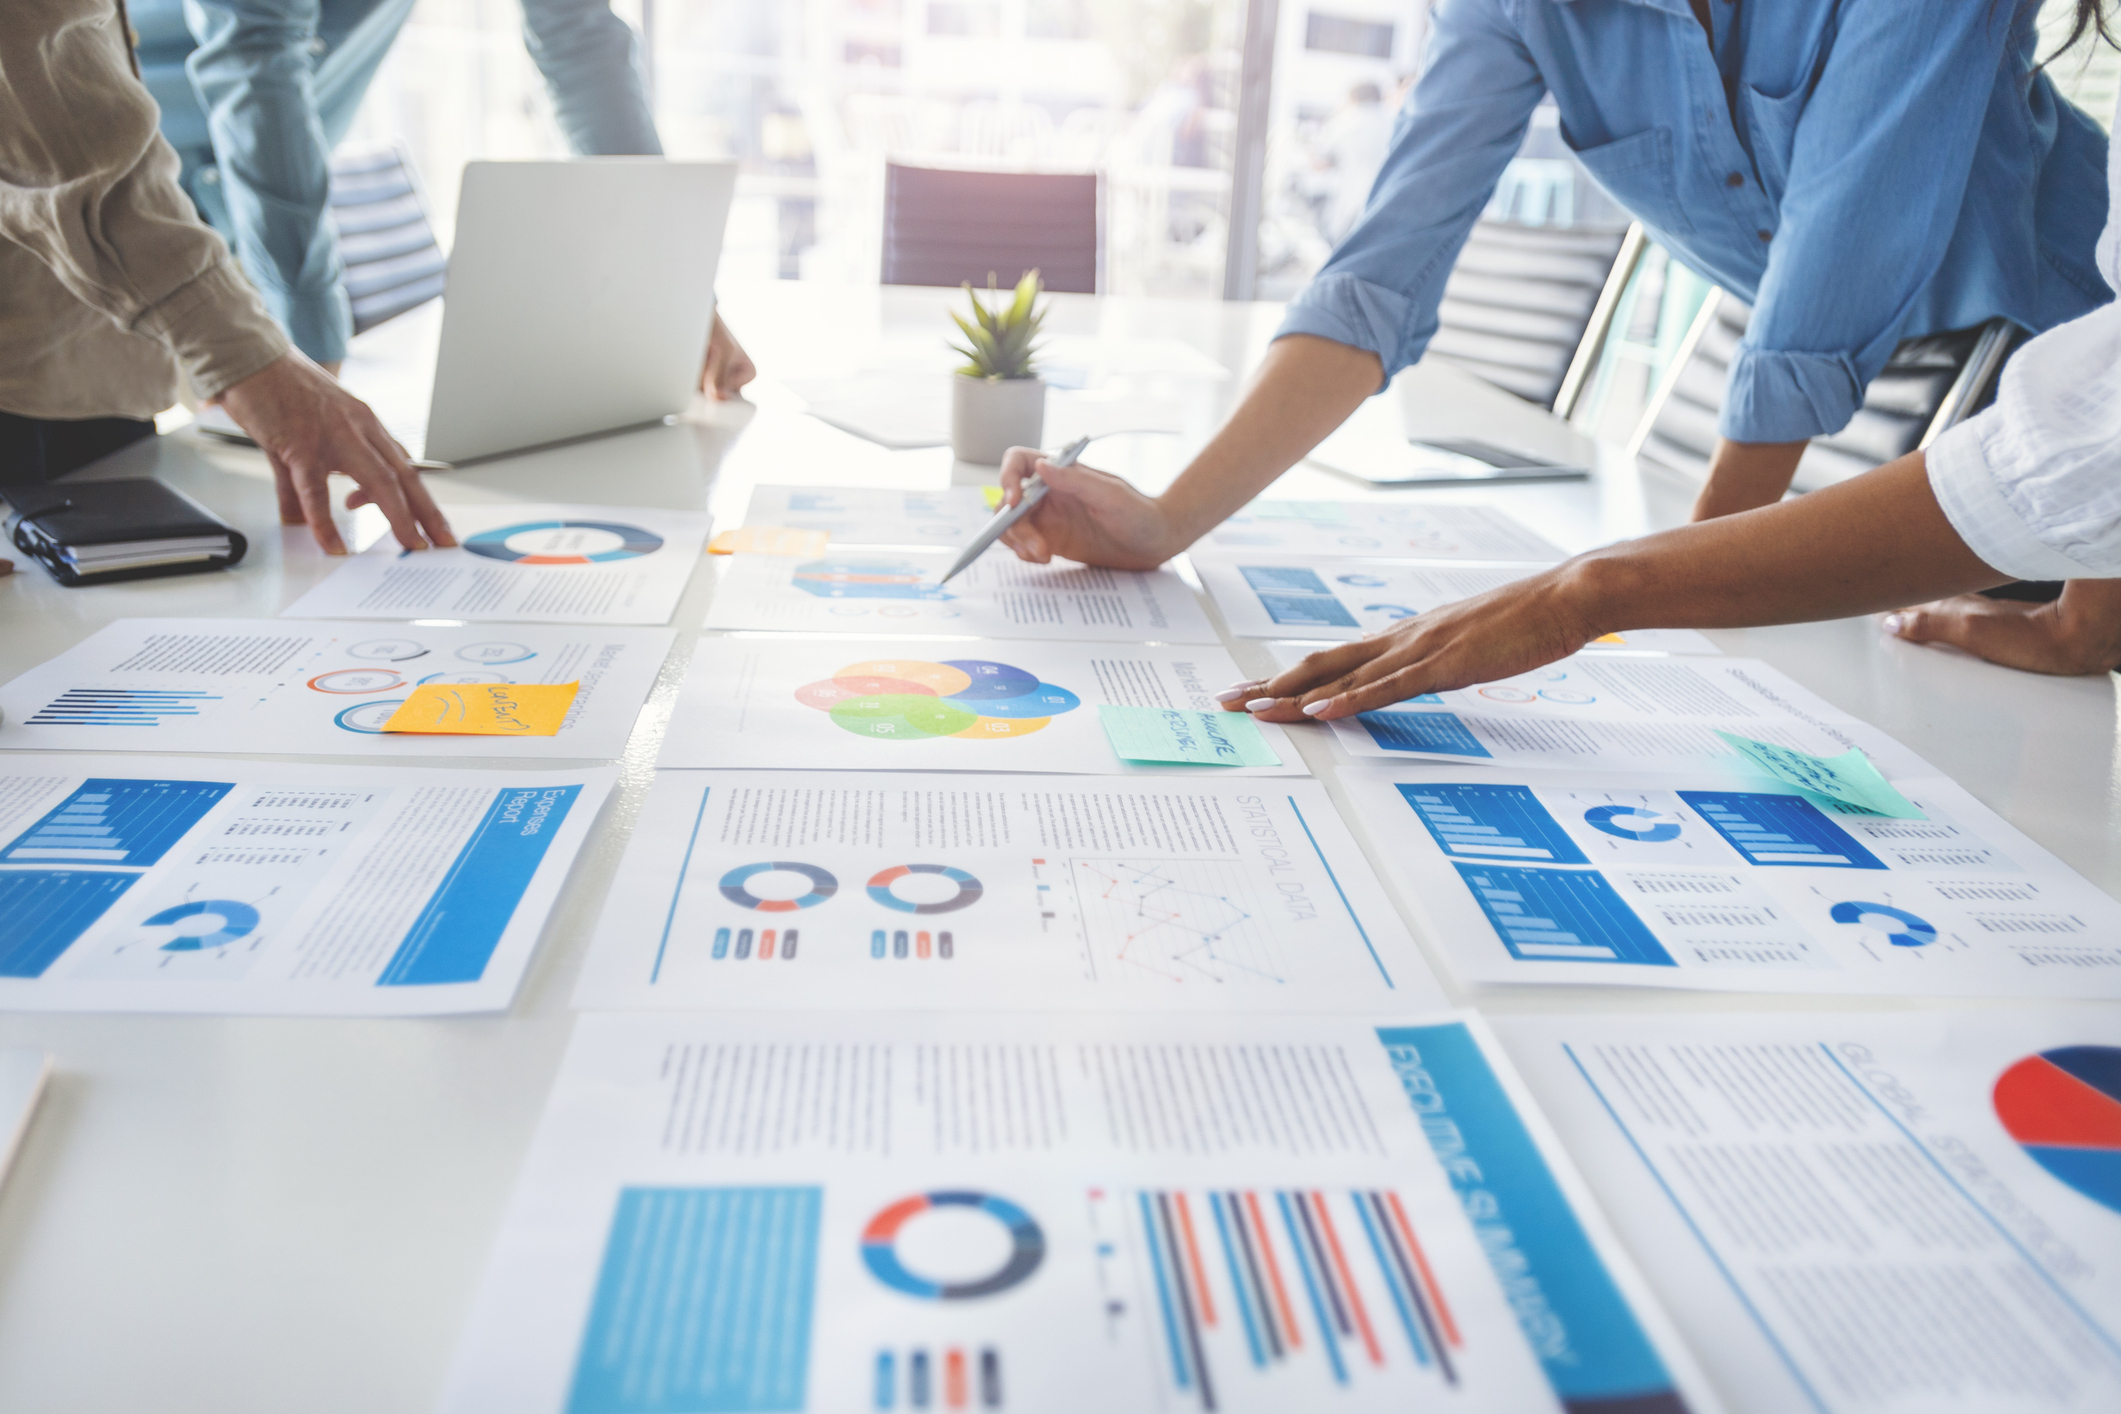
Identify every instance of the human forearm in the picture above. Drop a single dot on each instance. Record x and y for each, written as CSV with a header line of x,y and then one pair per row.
x,y
1877,542
1746,475
1304,388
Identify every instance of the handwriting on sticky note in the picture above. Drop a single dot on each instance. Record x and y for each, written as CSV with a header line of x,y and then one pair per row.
x,y
1848,779
769,540
1191,738
485,709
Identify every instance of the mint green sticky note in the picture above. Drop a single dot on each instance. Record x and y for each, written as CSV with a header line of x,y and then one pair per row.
x,y
1191,738
1845,780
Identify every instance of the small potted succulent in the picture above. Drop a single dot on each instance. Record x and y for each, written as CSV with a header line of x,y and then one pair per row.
x,y
997,400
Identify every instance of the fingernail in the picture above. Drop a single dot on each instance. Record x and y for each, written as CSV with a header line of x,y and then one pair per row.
x,y
1315,708
1231,694
1891,624
1261,704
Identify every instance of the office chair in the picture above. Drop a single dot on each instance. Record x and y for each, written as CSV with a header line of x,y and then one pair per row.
x,y
1528,308
392,261
947,227
1929,384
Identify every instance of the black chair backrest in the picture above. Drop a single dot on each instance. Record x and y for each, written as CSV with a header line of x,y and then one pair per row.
x,y
947,227
1520,300
1929,383
392,261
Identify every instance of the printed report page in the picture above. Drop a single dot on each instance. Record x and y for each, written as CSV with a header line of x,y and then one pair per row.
x,y
1031,1213
162,884
883,890
1862,1214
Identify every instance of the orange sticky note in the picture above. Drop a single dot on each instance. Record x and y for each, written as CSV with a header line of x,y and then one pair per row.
x,y
485,709
769,540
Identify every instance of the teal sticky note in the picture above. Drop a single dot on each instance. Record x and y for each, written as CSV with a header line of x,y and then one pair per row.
x,y
1191,738
1845,780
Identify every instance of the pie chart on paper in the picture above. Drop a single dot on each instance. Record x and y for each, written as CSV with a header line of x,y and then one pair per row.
x,y
2064,1109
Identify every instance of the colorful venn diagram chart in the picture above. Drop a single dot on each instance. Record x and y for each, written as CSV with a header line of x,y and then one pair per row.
x,y
972,698
2064,1108
564,542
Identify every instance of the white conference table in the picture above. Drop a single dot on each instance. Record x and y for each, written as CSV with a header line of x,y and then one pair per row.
x,y
237,1215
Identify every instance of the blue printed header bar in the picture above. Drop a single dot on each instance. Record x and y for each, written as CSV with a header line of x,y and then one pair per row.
x,y
455,935
1595,1354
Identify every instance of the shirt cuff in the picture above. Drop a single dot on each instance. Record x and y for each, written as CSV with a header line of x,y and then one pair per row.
x,y
1966,489
218,329
1776,395
319,321
1352,311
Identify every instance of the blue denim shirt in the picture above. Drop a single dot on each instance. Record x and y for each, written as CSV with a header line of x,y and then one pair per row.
x,y
256,93
1860,171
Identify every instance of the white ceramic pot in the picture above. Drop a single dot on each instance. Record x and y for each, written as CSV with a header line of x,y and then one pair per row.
x,y
988,416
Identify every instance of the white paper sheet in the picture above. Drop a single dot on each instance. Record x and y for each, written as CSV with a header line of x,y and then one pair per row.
x,y
1414,530
268,686
1613,711
879,890
899,592
803,703
844,1213
1730,882
1862,1214
868,515
266,888
516,563
1291,596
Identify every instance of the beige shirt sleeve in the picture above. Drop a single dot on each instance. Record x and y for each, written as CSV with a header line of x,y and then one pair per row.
x,y
109,282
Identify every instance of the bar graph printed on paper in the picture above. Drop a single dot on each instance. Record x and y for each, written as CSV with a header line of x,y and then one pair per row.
x,y
1252,1296
119,707
114,822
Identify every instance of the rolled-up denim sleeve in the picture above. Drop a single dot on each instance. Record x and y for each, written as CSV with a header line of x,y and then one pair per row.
x,y
1465,121
592,69
1879,162
254,74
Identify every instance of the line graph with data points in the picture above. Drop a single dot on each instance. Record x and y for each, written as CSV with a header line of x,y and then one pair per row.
x,y
1176,921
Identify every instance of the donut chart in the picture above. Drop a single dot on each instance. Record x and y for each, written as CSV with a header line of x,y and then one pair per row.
x,y
2064,1108
1027,1246
968,888
353,682
736,887
1901,928
368,717
1621,822
232,920
564,542
898,700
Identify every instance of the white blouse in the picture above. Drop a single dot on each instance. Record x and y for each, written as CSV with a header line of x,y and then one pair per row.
x,y
2033,484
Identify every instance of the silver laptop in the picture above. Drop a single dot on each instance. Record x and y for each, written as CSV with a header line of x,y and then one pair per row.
x,y
577,302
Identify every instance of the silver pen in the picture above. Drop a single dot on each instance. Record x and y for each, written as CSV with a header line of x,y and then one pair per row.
x,y
1034,492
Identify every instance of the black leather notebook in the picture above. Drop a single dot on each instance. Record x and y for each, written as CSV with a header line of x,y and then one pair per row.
x,y
100,532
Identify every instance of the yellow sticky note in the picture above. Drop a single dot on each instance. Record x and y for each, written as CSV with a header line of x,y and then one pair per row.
x,y
485,709
769,540
993,497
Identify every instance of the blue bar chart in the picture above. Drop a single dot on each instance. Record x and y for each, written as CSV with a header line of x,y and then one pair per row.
x,y
1780,830
119,707
1561,915
130,823
1491,822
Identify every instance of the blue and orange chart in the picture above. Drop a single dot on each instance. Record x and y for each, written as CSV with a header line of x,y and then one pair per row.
x,y
2064,1108
1258,1286
947,1377
781,886
564,542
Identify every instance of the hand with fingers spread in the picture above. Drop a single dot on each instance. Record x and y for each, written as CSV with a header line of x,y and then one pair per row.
x,y
2076,634
1087,515
310,427
1499,634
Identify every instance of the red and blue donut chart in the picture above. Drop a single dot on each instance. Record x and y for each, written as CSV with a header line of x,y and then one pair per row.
x,y
968,888
736,887
633,543
1027,1246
